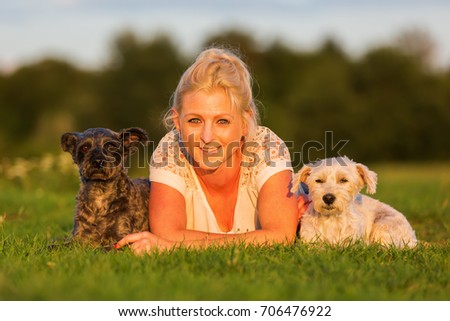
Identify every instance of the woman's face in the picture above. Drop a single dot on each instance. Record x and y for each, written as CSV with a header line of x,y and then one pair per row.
x,y
211,128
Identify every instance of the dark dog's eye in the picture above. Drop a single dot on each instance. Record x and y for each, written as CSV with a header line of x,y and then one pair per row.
x,y
320,181
343,180
110,146
84,148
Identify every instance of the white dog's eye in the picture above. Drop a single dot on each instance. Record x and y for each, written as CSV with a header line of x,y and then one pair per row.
x,y
343,180
320,181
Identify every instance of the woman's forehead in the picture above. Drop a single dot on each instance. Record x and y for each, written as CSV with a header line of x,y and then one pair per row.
x,y
208,102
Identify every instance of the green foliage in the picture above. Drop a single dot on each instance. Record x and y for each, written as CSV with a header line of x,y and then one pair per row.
x,y
38,102
390,104
135,88
36,210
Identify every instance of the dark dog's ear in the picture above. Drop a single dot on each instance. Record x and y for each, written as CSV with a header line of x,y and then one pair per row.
x,y
133,137
69,141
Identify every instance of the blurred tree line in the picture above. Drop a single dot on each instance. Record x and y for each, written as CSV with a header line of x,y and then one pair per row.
x,y
389,104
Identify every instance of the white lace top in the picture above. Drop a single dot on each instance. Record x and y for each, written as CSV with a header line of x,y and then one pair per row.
x,y
263,156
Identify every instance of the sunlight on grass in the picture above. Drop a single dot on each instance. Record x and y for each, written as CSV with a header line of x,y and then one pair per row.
x,y
36,215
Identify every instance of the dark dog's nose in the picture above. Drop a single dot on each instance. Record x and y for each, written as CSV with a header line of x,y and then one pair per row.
x,y
328,198
97,163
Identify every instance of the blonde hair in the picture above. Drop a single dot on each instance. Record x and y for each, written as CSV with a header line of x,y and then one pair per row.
x,y
218,68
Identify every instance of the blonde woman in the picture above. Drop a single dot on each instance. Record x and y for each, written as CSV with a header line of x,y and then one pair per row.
x,y
217,176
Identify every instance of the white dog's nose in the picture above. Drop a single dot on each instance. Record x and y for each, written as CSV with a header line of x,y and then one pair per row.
x,y
328,198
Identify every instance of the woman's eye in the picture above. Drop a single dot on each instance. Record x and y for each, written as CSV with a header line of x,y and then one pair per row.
x,y
194,121
223,121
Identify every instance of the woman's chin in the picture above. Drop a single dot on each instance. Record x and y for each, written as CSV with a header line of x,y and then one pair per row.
x,y
214,161
210,164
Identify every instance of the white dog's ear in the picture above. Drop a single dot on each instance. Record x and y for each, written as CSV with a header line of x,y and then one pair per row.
x,y
300,177
304,173
368,177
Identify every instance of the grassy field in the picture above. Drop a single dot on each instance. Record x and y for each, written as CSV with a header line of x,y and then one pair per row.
x,y
36,208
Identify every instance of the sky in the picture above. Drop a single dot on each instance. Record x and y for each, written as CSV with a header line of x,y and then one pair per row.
x,y
82,31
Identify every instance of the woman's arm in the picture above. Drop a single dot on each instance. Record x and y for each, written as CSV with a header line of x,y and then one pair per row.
x,y
277,209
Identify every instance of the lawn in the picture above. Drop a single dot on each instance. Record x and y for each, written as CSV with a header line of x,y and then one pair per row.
x,y
36,208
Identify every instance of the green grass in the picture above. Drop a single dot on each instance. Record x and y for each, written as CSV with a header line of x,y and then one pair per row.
x,y
36,211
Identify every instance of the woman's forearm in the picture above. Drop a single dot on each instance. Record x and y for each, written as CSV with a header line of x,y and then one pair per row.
x,y
198,239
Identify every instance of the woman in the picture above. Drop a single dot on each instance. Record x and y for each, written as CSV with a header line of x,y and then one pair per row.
x,y
218,177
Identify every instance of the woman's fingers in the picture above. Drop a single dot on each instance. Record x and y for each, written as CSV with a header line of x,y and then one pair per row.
x,y
141,247
143,242
131,238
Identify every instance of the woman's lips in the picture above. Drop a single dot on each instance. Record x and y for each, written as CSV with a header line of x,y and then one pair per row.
x,y
209,150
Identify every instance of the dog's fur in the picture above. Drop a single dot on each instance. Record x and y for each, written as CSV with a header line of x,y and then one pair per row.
x,y
109,204
340,215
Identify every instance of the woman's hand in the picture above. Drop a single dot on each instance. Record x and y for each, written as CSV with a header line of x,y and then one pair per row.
x,y
303,202
144,242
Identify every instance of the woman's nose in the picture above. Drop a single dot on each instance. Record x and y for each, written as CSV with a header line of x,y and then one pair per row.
x,y
207,134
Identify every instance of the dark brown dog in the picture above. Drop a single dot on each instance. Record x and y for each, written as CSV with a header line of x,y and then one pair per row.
x,y
109,204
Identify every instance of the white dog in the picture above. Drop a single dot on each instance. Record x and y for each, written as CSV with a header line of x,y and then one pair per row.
x,y
339,214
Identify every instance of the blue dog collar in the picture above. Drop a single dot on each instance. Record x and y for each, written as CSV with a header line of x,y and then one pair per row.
x,y
302,189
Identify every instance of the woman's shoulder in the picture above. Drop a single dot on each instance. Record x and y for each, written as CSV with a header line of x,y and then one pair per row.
x,y
169,165
165,148
168,154
265,155
265,134
171,136
266,141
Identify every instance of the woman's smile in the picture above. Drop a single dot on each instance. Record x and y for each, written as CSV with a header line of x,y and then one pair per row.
x,y
210,127
210,150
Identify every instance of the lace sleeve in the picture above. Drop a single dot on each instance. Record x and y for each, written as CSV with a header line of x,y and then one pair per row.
x,y
272,154
168,165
